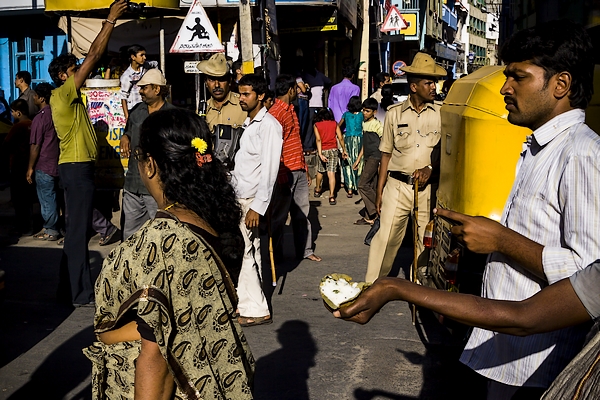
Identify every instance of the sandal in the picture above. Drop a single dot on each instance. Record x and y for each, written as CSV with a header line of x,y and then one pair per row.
x,y
41,235
253,321
51,238
108,239
363,221
349,194
317,193
332,201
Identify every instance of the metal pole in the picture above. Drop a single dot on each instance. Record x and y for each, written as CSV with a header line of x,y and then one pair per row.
x,y
162,47
197,82
413,270
377,23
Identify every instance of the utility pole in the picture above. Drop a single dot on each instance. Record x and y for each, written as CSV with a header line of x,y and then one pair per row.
x,y
363,66
246,37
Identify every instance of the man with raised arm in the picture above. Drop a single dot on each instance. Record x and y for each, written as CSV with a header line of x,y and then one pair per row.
x,y
78,152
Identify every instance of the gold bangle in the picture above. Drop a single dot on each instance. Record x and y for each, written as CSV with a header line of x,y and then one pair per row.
x,y
110,22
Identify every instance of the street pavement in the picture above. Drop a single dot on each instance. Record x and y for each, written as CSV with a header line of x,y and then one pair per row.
x,y
305,354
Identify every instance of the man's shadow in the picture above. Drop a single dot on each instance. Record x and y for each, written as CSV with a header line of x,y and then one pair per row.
x,y
288,260
284,373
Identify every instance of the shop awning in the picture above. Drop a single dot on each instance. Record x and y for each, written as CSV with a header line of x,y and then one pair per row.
x,y
144,32
70,5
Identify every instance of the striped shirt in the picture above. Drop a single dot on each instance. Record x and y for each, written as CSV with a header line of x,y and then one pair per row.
x,y
553,202
292,156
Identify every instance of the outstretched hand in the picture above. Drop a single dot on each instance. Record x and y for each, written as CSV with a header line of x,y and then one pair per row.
x,y
480,234
367,304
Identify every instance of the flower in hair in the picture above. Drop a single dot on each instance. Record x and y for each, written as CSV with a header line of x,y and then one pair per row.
x,y
200,145
202,159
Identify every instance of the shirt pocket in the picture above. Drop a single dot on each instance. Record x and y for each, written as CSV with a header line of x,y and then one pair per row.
x,y
255,143
431,136
402,137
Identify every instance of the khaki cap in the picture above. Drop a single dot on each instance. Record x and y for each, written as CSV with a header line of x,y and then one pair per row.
x,y
424,64
153,77
216,65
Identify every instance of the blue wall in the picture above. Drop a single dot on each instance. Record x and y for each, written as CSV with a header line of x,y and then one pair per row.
x,y
33,26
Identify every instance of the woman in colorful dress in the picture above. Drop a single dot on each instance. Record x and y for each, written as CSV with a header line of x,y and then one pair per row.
x,y
353,119
165,298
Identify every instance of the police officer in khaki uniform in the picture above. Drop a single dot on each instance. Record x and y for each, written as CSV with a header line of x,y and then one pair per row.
x,y
224,105
410,132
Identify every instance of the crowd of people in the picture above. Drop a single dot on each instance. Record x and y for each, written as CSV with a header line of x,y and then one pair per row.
x,y
187,276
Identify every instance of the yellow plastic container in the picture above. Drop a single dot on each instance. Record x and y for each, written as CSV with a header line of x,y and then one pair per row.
x,y
480,148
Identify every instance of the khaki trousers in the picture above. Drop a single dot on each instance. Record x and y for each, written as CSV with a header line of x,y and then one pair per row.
x,y
396,208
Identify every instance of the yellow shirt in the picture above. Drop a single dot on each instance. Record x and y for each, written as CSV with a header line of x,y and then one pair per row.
x,y
230,113
410,136
76,134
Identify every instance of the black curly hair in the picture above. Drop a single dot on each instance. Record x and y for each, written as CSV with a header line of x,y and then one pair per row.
x,y
556,50
167,135
324,114
60,65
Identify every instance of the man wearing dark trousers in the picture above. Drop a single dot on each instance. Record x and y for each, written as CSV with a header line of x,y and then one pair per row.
x,y
291,190
78,151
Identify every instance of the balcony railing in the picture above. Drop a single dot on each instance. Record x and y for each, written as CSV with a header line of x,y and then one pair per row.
x,y
408,4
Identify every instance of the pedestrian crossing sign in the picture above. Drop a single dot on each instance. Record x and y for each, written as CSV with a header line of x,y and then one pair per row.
x,y
394,21
196,34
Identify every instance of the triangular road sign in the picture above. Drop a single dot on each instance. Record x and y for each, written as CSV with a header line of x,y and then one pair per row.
x,y
394,21
196,34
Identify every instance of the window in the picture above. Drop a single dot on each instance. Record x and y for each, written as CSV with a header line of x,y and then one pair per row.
x,y
29,56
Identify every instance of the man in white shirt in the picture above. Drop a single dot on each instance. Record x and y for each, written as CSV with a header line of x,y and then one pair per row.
x,y
549,229
254,177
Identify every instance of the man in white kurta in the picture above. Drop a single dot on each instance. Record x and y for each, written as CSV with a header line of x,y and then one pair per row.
x,y
254,177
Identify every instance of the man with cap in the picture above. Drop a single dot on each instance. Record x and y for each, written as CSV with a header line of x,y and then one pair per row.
x,y
224,105
138,204
410,132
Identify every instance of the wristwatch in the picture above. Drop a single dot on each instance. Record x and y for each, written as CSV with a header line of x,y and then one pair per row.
x,y
430,167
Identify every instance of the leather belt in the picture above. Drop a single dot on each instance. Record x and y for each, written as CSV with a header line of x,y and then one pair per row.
x,y
402,177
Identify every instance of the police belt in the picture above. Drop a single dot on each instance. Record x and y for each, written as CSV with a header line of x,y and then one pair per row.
x,y
402,177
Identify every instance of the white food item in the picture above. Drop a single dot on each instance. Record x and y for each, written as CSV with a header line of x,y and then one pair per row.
x,y
339,291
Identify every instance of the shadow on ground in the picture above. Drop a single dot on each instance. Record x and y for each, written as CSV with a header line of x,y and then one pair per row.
x,y
30,310
52,381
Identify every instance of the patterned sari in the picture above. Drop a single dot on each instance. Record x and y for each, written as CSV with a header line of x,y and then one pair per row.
x,y
171,278
353,142
351,176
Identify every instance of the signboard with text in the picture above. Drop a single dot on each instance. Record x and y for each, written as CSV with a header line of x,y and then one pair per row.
x,y
197,34
106,113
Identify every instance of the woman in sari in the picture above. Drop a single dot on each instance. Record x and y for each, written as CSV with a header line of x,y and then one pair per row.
x,y
165,300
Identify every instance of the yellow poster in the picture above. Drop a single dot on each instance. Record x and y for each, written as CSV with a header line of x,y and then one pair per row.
x,y
411,20
106,113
